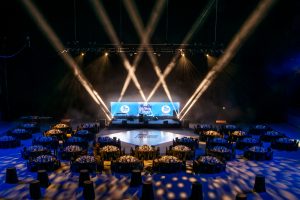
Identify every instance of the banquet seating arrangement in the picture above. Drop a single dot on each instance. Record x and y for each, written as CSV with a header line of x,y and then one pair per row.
x,y
108,152
65,128
145,152
285,144
126,164
237,135
46,162
186,141
247,142
77,141
270,136
258,153
87,162
218,142
20,133
60,135
9,142
49,142
206,135
181,152
259,129
85,134
72,152
208,164
34,151
168,164
103,141
221,152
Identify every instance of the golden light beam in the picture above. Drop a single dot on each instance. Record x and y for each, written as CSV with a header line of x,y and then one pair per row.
x,y
199,22
57,44
144,37
238,40
104,19
156,13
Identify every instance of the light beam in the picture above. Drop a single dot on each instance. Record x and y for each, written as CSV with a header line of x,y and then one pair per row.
x,y
238,40
104,19
199,22
57,44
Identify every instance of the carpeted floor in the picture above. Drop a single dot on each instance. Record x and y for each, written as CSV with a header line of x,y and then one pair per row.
x,y
282,176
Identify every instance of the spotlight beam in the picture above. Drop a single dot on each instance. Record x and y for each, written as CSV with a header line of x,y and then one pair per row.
x,y
156,13
199,22
238,40
144,37
57,44
105,21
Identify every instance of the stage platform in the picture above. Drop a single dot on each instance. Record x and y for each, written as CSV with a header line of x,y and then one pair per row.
x,y
146,123
146,136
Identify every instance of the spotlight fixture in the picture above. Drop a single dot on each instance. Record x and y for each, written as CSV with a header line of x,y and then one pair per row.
x,y
82,54
207,55
182,54
106,54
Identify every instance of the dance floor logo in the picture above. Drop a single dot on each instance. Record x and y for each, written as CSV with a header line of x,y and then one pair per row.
x,y
145,135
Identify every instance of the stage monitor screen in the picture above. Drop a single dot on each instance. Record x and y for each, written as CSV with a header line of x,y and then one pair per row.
x,y
146,109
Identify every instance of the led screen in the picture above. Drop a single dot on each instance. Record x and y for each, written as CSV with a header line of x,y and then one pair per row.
x,y
148,109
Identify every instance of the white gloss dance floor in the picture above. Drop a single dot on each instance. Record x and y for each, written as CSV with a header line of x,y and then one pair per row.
x,y
146,136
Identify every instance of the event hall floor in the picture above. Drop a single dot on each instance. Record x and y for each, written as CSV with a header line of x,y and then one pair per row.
x,y
282,173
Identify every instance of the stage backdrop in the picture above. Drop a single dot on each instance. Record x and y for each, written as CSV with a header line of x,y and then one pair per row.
x,y
148,109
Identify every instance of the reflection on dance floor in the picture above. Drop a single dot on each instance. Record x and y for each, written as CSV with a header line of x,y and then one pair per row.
x,y
144,136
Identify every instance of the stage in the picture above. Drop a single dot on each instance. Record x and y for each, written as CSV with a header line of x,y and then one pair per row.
x,y
145,123
146,136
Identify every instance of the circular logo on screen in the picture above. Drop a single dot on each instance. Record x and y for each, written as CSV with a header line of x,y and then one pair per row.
x,y
165,109
125,109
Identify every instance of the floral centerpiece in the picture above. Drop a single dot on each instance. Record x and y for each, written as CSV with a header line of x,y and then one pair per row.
x,y
82,132
54,132
7,138
221,149
186,140
127,159
145,148
219,141
239,133
109,148
212,133
29,125
85,159
44,139
258,149
19,131
45,159
74,140
260,127
181,148
105,139
230,126
285,140
272,133
88,125
58,126
72,148
204,126
249,140
209,160
169,159
36,148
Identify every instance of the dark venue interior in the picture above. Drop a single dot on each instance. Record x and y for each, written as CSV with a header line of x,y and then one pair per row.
x,y
164,99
